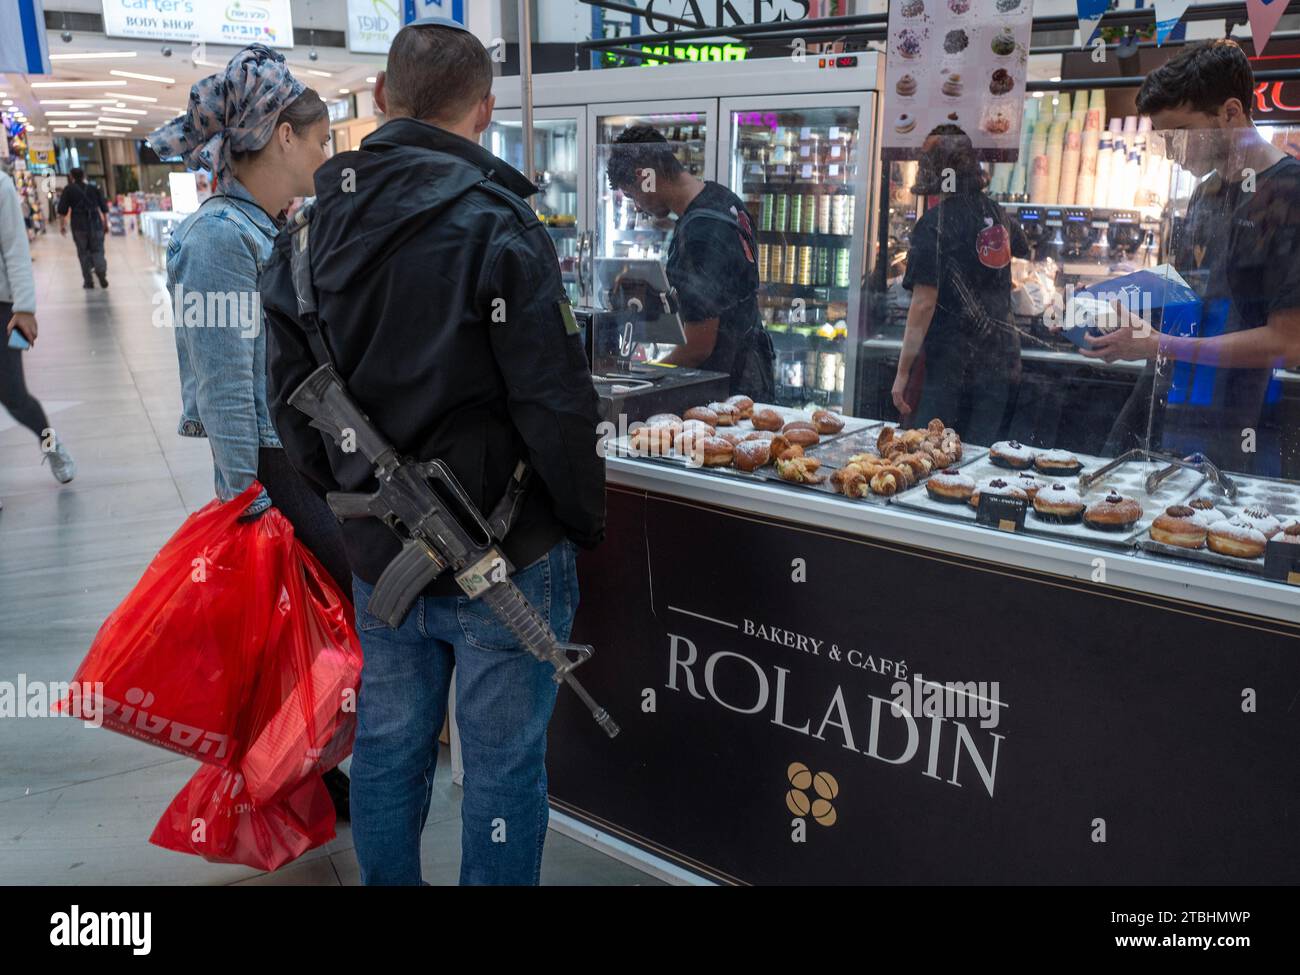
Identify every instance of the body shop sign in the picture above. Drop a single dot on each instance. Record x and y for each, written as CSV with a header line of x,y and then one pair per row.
x,y
235,22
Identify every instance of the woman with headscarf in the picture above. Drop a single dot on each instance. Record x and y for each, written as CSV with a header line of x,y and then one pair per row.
x,y
262,134
959,323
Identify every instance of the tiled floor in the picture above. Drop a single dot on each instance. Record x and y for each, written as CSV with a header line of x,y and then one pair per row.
x,y
77,805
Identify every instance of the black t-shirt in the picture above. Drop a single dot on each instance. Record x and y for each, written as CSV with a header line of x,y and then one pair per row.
x,y
1240,251
86,204
711,264
963,247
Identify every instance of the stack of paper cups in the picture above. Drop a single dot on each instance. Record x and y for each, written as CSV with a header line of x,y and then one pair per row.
x,y
1055,148
1037,176
1001,178
1098,196
1083,195
1118,162
1017,186
1097,100
1067,195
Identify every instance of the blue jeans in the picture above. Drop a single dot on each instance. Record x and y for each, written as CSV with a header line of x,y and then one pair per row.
x,y
504,700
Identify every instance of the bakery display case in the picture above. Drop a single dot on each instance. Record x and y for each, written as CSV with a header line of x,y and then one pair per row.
x,y
559,170
1201,432
801,163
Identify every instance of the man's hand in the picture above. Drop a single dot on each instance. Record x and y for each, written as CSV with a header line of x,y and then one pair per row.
x,y
1135,339
63,228
25,322
900,388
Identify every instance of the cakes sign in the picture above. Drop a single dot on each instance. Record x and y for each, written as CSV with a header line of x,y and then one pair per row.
x,y
956,62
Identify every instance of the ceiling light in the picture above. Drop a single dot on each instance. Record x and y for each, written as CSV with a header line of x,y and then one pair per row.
x,y
75,84
76,101
1057,78
110,128
134,98
169,108
118,121
345,91
142,77
371,80
126,111
318,73
7,102
70,114
92,56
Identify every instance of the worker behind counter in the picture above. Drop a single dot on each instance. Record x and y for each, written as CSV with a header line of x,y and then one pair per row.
x,y
710,261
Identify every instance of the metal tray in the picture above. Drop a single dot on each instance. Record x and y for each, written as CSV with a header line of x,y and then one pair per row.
x,y
1128,479
1280,498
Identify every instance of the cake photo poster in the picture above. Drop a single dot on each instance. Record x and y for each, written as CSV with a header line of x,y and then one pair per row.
x,y
956,62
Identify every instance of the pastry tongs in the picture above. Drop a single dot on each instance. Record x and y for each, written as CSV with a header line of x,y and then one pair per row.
x,y
1193,462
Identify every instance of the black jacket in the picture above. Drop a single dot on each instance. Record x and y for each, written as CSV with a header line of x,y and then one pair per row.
x,y
86,203
413,259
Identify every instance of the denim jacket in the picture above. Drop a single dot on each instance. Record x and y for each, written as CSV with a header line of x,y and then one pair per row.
x,y
213,262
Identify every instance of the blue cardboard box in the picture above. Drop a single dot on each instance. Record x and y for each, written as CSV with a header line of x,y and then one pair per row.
x,y
1159,295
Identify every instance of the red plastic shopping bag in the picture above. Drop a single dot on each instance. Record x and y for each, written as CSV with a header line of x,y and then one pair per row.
x,y
306,712
179,659
215,818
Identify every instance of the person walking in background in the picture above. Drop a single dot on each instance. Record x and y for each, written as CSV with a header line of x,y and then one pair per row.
x,y
89,214
18,313
262,134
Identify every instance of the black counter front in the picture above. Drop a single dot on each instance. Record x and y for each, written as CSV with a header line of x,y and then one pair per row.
x,y
1111,736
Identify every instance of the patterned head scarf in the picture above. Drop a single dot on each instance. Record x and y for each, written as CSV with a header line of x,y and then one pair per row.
x,y
231,111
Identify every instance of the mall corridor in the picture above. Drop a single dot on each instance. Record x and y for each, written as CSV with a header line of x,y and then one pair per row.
x,y
77,805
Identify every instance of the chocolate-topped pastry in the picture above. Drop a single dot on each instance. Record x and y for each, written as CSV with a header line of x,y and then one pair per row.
x,y
997,486
1261,519
1012,453
1113,513
1206,513
1180,525
1028,483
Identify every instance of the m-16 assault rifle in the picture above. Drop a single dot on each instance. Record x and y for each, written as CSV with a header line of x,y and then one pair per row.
x,y
433,538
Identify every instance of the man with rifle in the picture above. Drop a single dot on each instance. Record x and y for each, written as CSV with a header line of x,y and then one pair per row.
x,y
416,314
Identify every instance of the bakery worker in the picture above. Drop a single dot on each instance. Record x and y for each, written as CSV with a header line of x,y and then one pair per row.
x,y
1239,249
442,307
959,322
710,261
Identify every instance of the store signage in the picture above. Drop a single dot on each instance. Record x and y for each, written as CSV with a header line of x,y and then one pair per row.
x,y
372,25
235,22
722,12
40,149
767,738
1276,101
959,63
688,52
